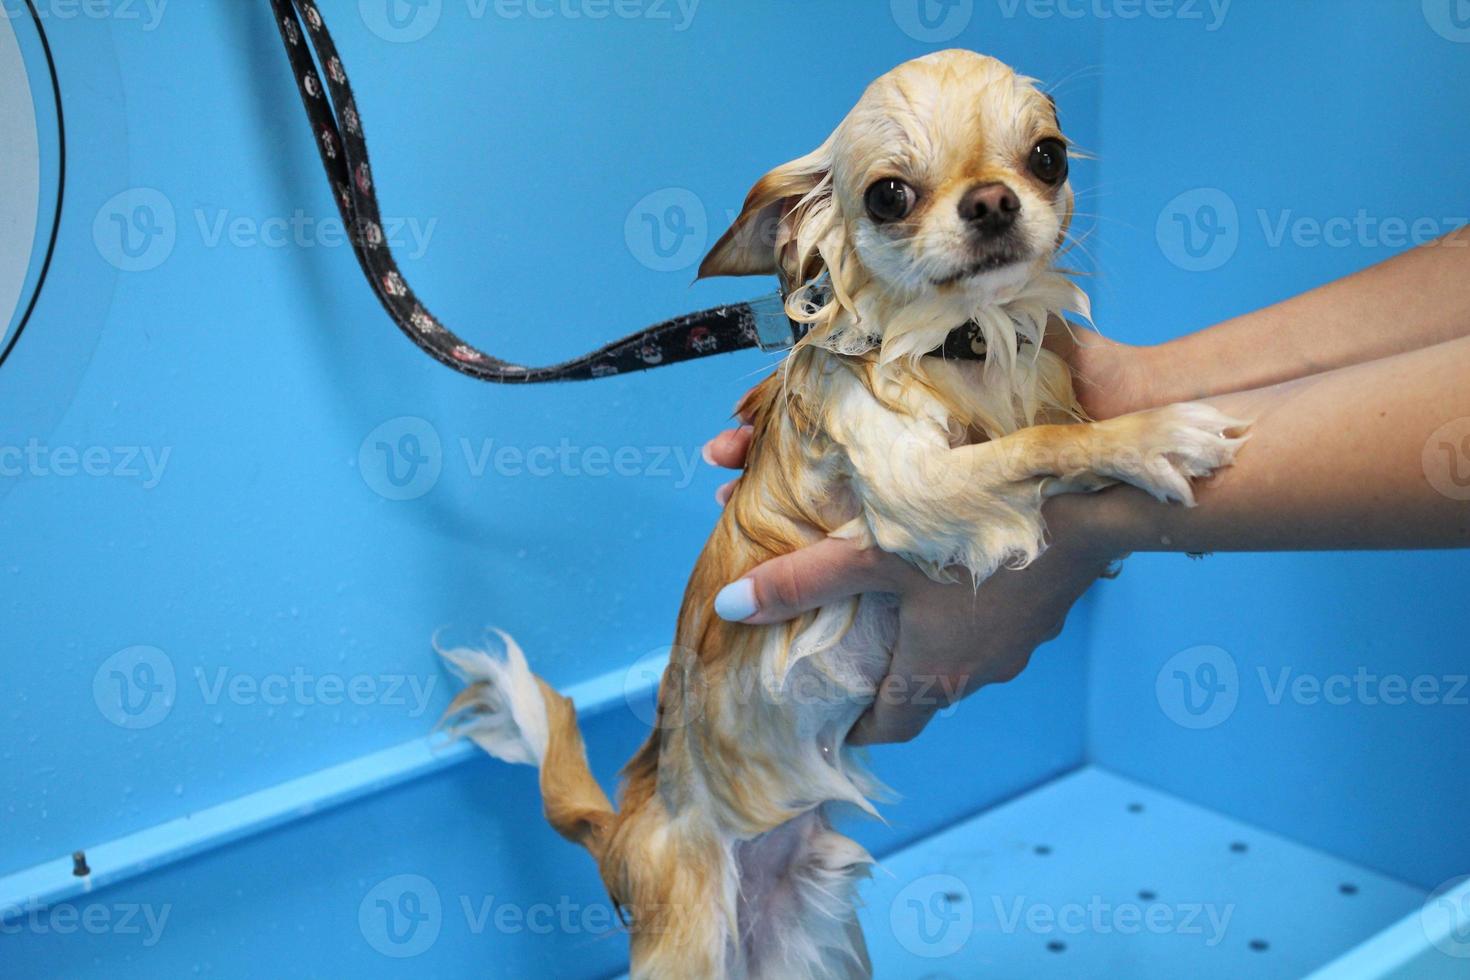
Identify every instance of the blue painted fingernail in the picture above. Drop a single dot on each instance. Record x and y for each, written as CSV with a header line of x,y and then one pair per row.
x,y
736,601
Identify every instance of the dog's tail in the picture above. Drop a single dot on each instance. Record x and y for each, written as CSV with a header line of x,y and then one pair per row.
x,y
515,716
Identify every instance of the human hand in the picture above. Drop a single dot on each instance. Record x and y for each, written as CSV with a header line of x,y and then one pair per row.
x,y
953,639
1110,378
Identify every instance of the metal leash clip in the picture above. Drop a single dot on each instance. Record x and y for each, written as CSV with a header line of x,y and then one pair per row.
x,y
775,330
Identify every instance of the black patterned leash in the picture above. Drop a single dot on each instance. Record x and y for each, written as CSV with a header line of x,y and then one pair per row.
x,y
337,127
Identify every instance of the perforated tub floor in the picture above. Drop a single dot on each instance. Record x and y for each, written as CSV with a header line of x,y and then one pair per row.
x,y
1096,876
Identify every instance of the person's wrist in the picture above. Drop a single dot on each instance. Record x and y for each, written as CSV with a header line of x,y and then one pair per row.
x,y
1114,378
1086,526
1149,369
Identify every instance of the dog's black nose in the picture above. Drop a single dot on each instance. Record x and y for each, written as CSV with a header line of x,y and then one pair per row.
x,y
991,208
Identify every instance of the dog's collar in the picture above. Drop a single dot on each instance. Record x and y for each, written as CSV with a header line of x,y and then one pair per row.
x,y
778,332
967,343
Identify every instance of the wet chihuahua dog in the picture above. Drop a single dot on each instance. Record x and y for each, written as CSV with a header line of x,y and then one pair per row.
x,y
940,200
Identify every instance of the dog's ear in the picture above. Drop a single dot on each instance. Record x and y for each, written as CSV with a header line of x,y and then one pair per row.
x,y
762,230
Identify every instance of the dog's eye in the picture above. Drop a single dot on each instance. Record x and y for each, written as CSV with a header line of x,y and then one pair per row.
x,y
1049,161
889,199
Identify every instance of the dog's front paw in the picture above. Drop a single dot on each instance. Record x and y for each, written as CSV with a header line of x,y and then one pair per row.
x,y
1162,449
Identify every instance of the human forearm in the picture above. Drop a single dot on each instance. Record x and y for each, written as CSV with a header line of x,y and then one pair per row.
x,y
1335,461
1414,300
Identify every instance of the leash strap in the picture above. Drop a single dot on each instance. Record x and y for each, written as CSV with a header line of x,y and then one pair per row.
x,y
338,130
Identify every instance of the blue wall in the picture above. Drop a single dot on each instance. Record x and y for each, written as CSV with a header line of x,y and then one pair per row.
x,y
522,151
1301,112
245,578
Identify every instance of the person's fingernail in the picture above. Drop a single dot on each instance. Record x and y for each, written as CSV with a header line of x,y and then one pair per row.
x,y
724,491
707,454
736,601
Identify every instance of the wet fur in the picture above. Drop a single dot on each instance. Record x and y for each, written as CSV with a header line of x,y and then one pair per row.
x,y
721,851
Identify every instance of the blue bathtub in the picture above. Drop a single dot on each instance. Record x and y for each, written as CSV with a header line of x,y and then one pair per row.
x,y
220,589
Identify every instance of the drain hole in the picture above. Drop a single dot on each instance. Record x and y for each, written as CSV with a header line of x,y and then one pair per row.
x,y
1135,808
1260,945
1043,849
1239,847
1348,888
1147,895
1057,946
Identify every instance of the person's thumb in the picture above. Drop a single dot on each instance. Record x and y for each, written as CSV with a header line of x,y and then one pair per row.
x,y
822,573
